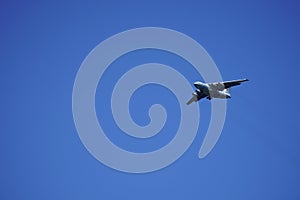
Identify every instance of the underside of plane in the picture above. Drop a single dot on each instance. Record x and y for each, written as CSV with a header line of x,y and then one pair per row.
x,y
213,90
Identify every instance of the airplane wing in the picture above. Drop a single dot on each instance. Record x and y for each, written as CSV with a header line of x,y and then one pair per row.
x,y
228,84
196,97
191,100
225,85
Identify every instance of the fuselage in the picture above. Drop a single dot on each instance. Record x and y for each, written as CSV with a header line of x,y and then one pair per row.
x,y
204,90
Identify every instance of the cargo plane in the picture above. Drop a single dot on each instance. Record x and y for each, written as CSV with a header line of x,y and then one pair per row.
x,y
213,90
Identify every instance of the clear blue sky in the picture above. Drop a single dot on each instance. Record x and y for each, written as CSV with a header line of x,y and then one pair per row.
x,y
42,45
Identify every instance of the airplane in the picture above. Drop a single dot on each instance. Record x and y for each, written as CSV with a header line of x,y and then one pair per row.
x,y
213,90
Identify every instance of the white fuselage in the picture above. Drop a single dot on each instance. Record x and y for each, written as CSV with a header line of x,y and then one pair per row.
x,y
215,90
214,93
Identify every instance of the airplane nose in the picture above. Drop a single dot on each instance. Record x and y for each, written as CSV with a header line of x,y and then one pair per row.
x,y
196,84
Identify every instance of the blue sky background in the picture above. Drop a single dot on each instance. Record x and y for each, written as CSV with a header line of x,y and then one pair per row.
x,y
42,45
